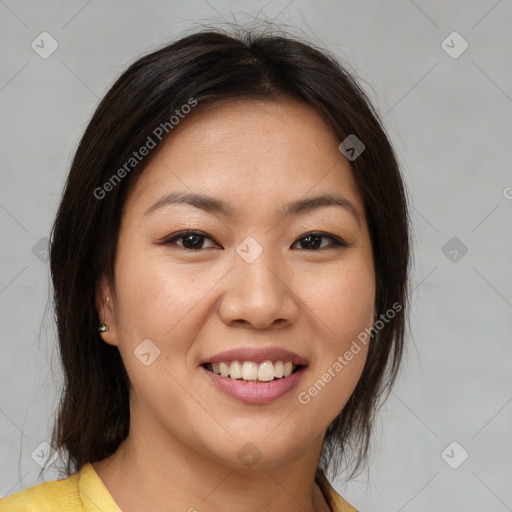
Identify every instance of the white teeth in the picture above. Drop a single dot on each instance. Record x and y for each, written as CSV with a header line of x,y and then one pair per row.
x,y
224,369
251,371
266,371
235,370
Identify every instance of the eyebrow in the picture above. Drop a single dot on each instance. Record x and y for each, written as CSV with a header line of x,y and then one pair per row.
x,y
217,206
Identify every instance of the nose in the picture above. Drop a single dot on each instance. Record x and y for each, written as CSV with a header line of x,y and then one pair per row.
x,y
259,295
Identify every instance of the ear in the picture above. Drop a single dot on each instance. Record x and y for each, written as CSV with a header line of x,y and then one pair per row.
x,y
105,307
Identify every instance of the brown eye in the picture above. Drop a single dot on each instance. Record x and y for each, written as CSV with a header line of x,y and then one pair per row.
x,y
195,240
191,240
313,241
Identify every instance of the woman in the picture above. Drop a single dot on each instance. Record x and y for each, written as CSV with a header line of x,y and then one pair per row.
x,y
230,269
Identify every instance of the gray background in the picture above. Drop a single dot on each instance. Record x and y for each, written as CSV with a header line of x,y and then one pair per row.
x,y
450,120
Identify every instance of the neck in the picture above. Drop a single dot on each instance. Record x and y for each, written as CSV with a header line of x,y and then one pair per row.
x,y
149,472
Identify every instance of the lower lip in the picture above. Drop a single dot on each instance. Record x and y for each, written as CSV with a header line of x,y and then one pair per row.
x,y
255,392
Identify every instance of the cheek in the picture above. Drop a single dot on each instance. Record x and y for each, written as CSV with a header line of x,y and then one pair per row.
x,y
163,301
155,294
342,297
344,307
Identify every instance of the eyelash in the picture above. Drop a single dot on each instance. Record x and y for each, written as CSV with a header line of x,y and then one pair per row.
x,y
336,242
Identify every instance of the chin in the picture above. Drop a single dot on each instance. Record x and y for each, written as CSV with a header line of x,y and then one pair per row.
x,y
263,447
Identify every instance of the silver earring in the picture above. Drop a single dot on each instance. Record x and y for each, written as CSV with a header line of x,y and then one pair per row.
x,y
103,327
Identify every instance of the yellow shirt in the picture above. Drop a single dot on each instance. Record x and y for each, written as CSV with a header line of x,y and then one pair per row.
x,y
85,492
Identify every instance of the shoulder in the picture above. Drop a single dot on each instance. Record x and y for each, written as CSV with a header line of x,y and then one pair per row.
x,y
83,491
45,496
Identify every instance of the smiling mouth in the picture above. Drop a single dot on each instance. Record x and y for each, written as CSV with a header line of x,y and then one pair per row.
x,y
251,371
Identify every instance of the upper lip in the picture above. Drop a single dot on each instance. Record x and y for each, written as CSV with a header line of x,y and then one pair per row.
x,y
257,355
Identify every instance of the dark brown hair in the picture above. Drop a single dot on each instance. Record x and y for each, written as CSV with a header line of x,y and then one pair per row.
x,y
211,66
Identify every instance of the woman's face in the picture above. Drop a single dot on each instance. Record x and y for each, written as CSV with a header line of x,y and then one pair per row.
x,y
263,283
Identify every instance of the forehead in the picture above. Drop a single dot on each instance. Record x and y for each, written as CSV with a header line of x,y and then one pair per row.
x,y
250,153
